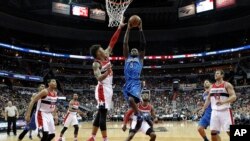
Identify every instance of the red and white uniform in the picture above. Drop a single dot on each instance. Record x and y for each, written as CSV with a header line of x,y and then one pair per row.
x,y
104,90
221,117
146,111
71,117
45,107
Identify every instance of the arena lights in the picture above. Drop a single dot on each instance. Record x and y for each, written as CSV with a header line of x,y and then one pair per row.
x,y
21,76
164,57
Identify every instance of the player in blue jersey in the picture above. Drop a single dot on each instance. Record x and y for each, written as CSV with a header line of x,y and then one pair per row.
x,y
32,124
132,69
205,119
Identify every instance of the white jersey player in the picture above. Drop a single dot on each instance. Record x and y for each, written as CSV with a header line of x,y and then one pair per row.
x,y
47,99
71,117
221,94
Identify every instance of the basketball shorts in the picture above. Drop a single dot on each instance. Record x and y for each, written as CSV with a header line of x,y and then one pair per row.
x,y
32,124
221,120
70,119
132,89
205,120
46,122
141,126
103,95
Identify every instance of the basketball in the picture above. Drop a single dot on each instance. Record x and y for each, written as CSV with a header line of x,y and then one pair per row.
x,y
134,21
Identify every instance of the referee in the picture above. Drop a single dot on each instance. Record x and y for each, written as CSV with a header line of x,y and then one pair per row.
x,y
11,114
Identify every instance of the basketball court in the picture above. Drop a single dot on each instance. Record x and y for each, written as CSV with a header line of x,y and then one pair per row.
x,y
171,131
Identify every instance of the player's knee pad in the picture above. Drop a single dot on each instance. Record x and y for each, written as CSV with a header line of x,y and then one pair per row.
x,y
64,129
51,136
76,129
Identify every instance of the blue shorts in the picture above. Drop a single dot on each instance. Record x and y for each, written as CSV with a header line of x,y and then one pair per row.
x,y
132,89
32,124
205,120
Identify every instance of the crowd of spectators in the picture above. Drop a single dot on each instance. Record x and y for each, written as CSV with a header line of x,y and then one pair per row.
x,y
187,103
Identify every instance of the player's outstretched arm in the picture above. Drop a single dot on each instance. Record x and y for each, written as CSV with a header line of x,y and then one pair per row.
x,y
125,42
142,43
207,102
97,72
115,38
40,95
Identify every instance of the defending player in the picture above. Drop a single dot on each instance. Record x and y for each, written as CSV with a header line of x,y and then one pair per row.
x,y
220,96
32,124
145,126
104,91
46,99
71,117
205,119
132,70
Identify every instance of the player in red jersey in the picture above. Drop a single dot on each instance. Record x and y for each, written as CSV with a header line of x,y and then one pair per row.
x,y
221,95
46,99
146,125
104,91
71,117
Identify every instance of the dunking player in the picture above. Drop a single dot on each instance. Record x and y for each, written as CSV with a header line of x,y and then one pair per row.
x,y
221,95
32,124
132,70
205,119
71,117
146,126
46,105
104,91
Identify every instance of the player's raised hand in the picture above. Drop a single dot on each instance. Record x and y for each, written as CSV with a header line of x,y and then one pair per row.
x,y
122,24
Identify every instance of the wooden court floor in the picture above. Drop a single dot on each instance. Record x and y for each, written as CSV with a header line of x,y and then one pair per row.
x,y
166,131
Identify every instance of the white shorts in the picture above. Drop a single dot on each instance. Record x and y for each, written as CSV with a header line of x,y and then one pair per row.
x,y
46,122
70,119
144,126
221,120
103,95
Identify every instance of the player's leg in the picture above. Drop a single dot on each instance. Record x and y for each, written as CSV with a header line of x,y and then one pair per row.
x,y
203,124
30,134
21,136
102,122
52,128
95,127
67,121
76,127
45,128
134,96
227,120
215,125
130,136
148,130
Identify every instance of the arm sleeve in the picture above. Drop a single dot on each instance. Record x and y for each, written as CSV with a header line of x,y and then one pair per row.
x,y
114,38
143,42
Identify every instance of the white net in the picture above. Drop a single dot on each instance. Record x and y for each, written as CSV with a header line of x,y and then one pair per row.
x,y
115,10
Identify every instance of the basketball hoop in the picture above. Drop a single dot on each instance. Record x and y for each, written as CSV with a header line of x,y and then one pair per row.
x,y
115,10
